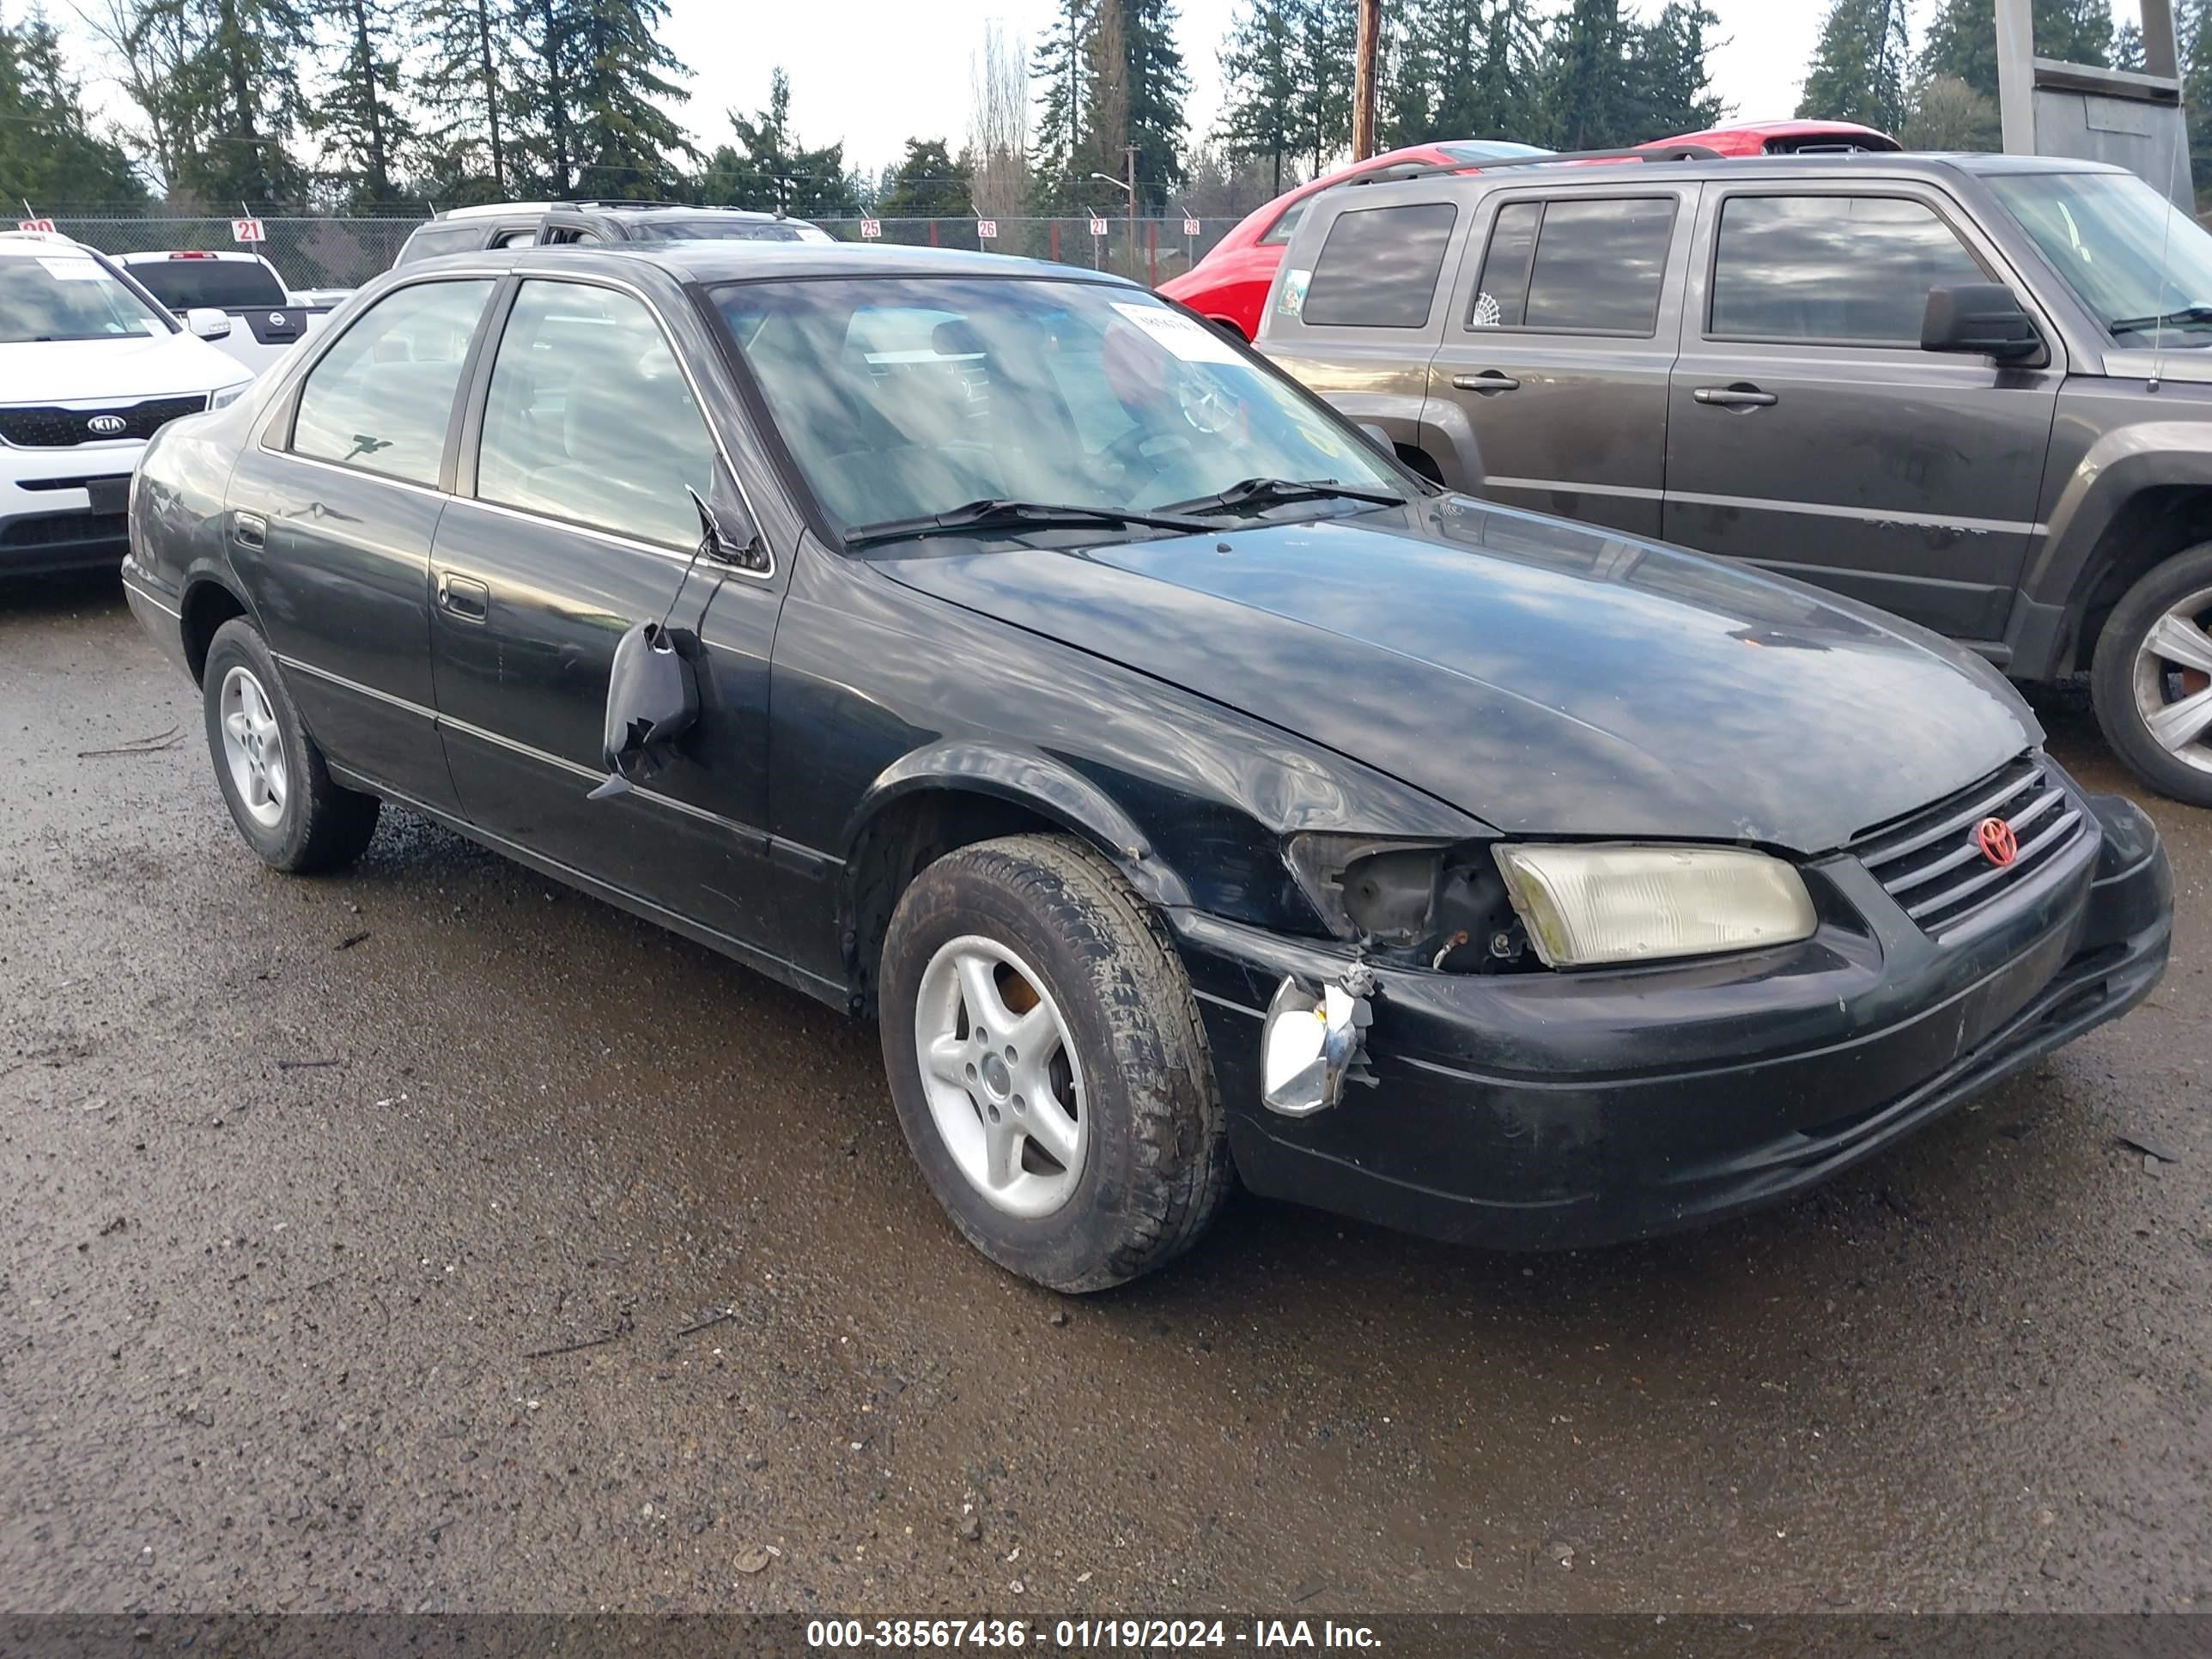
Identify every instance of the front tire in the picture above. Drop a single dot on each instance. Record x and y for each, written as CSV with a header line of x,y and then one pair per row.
x,y
2151,678
271,774
1048,1065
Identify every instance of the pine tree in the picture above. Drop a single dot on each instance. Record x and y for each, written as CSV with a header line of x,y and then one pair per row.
x,y
48,154
1858,67
626,144
1405,102
1324,35
925,183
235,99
1585,83
1259,70
1157,86
774,172
366,130
1672,82
463,54
541,99
1058,67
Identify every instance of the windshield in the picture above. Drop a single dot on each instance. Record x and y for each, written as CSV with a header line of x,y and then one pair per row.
x,y
181,281
2106,233
68,295
1489,149
904,398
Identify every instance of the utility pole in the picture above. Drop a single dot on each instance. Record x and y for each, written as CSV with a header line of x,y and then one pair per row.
x,y
1130,151
1363,79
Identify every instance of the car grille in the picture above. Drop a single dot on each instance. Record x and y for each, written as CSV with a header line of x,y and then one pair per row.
x,y
1932,863
64,530
59,428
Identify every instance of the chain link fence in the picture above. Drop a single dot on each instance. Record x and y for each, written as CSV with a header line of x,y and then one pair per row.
x,y
347,253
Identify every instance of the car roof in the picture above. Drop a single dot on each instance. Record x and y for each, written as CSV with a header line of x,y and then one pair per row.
x,y
29,244
627,209
1855,164
145,257
738,261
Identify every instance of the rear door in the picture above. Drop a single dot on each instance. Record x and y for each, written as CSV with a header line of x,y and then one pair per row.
x,y
1563,326
1809,433
333,512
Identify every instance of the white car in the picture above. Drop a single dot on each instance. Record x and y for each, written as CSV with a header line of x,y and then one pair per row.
x,y
244,287
90,366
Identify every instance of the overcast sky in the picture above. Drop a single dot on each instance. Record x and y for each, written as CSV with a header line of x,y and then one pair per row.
x,y
877,72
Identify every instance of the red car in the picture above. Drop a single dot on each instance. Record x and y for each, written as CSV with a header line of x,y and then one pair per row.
x,y
1229,285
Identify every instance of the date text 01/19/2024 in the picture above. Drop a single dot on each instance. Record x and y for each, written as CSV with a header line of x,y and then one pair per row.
x,y
1084,1634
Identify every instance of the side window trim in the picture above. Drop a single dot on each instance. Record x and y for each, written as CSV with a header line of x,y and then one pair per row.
x,y
1937,205
1676,199
278,431
477,387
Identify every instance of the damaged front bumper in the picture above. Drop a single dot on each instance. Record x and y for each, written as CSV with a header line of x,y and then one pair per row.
x,y
1559,1111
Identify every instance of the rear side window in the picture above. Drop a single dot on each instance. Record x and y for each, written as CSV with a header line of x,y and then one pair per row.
x,y
1279,234
1579,267
382,396
1378,268
1836,269
434,239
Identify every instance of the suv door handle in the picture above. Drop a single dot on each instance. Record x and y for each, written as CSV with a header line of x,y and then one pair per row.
x,y
464,596
1735,397
1488,384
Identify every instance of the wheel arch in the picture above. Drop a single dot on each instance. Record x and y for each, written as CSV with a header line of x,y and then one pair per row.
x,y
208,602
953,794
2140,495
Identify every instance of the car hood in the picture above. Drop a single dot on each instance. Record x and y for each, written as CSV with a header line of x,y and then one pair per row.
x,y
1547,678
117,370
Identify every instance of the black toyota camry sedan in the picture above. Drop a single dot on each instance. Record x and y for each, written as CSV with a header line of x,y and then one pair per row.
x,y
1184,786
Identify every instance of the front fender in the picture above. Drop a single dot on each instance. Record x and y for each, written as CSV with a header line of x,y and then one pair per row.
x,y
1032,779
2118,466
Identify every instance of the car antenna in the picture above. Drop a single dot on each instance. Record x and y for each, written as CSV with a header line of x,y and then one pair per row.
x,y
2165,254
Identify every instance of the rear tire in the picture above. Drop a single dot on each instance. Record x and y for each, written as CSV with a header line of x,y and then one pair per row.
x,y
272,775
1081,1142
2151,678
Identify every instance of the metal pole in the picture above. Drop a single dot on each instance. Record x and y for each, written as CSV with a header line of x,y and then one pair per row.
x,y
2016,74
1363,79
1130,150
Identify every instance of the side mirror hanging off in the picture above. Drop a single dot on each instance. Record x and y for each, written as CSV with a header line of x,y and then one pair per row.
x,y
653,699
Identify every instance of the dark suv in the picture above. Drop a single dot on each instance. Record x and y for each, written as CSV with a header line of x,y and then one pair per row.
x,y
1973,390
545,224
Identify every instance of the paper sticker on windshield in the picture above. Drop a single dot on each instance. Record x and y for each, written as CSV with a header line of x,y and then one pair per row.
x,y
1294,293
72,270
1192,342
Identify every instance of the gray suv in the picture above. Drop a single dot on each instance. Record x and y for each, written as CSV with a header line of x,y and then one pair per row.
x,y
1973,390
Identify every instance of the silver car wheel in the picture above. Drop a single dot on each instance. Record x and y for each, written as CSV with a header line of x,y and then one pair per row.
x,y
2173,681
253,747
1003,1086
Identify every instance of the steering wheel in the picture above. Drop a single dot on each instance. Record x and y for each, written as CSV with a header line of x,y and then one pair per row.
x,y
1130,451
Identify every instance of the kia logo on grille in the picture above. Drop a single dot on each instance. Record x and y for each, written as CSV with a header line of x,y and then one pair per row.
x,y
107,426
1998,843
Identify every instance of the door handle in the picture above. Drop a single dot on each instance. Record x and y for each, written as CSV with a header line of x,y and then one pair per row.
x,y
1735,397
249,529
464,596
1488,384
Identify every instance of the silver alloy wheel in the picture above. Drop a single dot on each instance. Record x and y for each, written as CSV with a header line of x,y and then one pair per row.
x,y
2173,681
998,1067
252,746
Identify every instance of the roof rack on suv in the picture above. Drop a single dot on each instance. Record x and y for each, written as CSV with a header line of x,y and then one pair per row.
x,y
1433,169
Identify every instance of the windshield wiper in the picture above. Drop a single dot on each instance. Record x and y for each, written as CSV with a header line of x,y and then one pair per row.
x,y
2197,316
1255,493
996,513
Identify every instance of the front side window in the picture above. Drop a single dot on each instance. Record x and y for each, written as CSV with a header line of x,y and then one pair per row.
x,y
433,241
67,294
382,396
589,418
1378,268
2143,267
906,396
1575,266
1832,270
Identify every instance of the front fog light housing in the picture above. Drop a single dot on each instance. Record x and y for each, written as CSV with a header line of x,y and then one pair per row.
x,y
1591,906
1313,1043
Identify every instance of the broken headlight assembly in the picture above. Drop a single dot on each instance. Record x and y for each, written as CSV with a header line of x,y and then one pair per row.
x,y
1428,905
1592,906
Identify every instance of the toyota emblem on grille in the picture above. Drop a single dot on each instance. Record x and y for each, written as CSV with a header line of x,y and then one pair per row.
x,y
107,426
1998,843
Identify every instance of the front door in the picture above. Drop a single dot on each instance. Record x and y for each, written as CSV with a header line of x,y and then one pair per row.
x,y
1556,353
1809,433
331,516
571,522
